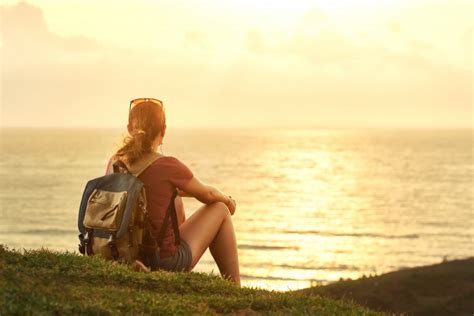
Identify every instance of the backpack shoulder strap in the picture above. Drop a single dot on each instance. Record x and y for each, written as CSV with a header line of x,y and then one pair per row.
x,y
170,214
139,166
174,219
119,164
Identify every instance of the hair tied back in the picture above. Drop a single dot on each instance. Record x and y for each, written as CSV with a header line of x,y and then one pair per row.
x,y
140,131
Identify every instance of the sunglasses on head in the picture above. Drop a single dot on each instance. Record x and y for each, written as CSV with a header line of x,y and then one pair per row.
x,y
135,102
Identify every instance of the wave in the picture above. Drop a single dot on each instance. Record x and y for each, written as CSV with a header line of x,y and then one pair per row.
x,y
332,268
46,231
259,277
264,247
458,235
347,234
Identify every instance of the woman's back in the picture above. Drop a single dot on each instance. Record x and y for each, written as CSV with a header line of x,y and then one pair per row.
x,y
209,227
161,179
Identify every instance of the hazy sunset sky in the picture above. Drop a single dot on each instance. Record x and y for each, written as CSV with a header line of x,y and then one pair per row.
x,y
238,63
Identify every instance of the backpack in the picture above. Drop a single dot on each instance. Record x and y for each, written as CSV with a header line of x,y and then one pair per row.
x,y
113,220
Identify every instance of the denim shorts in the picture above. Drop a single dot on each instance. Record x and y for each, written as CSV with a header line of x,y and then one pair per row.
x,y
181,261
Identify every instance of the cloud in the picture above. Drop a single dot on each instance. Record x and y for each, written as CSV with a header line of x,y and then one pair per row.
x,y
319,42
24,28
315,74
316,40
255,42
314,16
78,80
326,46
323,47
394,26
343,73
466,41
196,38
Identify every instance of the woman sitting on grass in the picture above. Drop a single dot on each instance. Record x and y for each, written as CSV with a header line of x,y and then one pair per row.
x,y
210,226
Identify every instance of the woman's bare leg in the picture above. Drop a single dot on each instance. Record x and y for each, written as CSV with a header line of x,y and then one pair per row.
x,y
211,226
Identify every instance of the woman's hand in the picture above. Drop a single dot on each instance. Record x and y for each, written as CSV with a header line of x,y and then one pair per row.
x,y
231,205
207,194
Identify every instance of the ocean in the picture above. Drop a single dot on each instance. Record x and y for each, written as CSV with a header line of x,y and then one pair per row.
x,y
313,205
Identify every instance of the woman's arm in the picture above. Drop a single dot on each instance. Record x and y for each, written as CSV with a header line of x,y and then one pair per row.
x,y
183,194
208,194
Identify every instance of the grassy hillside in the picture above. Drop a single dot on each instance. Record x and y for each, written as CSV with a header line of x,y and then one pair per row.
x,y
441,289
45,282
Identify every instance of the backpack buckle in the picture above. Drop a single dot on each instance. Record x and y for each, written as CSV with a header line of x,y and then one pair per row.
x,y
87,244
81,245
113,246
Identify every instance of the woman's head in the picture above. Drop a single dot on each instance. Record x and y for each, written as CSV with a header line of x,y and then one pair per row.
x,y
146,124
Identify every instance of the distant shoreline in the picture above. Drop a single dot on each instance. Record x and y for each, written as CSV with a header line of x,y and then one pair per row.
x,y
446,288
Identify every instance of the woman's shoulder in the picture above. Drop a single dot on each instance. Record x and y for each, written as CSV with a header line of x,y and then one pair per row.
x,y
168,160
173,164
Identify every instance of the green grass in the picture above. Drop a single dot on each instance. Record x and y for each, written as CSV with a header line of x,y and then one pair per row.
x,y
47,282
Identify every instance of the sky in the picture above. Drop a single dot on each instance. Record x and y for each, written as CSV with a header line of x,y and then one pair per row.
x,y
218,63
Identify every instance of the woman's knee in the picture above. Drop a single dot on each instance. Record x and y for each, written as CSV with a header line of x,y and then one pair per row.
x,y
221,208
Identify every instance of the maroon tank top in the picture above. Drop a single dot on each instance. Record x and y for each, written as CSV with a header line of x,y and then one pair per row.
x,y
161,179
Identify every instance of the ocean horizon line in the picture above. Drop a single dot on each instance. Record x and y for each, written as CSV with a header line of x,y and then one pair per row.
x,y
309,127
